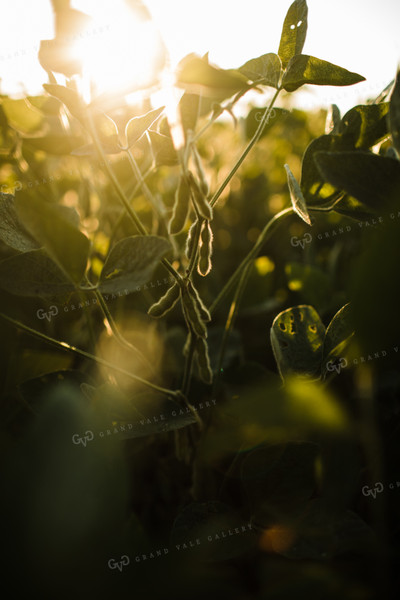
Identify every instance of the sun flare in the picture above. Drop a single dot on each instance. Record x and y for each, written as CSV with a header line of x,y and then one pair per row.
x,y
120,53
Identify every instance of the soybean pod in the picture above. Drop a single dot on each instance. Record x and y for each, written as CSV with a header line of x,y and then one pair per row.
x,y
204,264
165,303
203,361
202,204
204,312
193,315
181,207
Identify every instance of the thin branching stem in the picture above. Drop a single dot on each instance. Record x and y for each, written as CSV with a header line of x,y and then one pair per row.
x,y
87,355
120,192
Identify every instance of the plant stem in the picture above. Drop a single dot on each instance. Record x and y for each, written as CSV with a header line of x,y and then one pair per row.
x,y
123,212
240,161
143,185
233,311
79,352
188,365
252,253
218,113
120,192
262,238
117,334
246,151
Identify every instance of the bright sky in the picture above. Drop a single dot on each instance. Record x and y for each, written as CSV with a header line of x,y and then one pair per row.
x,y
360,35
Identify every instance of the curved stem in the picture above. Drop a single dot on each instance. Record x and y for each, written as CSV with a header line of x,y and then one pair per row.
x,y
131,197
117,334
233,311
142,184
97,359
262,238
249,146
188,365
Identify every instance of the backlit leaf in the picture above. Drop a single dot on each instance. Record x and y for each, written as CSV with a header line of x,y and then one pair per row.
x,y
21,115
304,69
68,246
297,336
195,75
264,70
137,126
297,198
372,179
294,31
70,98
12,232
33,274
338,335
131,262
365,125
163,149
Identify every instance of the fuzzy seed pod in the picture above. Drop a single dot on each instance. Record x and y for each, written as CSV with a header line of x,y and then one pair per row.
x,y
204,187
202,204
203,361
181,207
203,310
204,265
193,315
165,303
190,240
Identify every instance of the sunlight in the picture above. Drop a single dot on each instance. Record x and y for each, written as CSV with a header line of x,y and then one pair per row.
x,y
119,58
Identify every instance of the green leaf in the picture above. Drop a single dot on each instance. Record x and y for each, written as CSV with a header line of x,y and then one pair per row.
x,y
304,69
137,126
297,198
297,336
12,232
338,336
33,274
265,70
21,115
68,246
196,75
365,125
70,98
255,115
315,188
372,179
350,207
131,262
48,106
163,148
192,107
294,31
395,114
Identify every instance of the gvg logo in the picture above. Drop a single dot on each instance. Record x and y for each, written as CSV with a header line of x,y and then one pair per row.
x,y
259,115
367,491
52,312
306,239
118,564
88,437
336,365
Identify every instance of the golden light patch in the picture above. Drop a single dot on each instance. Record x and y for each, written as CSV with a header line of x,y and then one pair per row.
x,y
277,538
